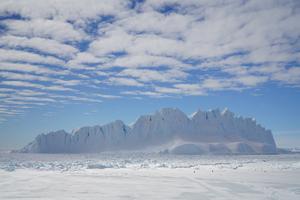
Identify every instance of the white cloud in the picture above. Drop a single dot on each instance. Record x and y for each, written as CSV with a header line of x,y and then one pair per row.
x,y
124,81
31,77
6,111
157,45
22,103
25,84
197,48
43,45
81,60
19,76
102,73
54,29
143,60
153,22
37,69
22,56
30,93
67,98
30,99
113,41
182,89
108,96
63,9
216,84
21,84
137,93
288,76
251,80
147,75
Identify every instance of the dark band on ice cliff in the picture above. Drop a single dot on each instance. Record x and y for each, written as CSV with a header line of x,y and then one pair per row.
x,y
168,130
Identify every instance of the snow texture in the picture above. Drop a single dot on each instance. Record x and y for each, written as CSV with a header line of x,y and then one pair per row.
x,y
148,176
211,132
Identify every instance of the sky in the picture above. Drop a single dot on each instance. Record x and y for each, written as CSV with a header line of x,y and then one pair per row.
x,y
66,64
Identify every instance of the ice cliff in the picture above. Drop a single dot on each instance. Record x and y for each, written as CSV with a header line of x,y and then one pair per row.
x,y
169,130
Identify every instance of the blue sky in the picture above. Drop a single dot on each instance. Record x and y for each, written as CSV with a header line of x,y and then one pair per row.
x,y
66,64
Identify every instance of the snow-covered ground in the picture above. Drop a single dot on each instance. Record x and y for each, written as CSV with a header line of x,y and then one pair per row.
x,y
148,176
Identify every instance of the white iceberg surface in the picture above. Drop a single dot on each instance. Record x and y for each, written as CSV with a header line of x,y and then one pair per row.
x,y
205,132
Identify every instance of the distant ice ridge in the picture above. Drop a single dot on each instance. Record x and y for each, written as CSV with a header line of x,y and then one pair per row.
x,y
168,130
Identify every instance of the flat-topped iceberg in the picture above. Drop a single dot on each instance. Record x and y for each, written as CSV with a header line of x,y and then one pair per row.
x,y
170,130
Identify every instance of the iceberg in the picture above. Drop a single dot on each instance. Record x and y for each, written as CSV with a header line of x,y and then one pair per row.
x,y
168,130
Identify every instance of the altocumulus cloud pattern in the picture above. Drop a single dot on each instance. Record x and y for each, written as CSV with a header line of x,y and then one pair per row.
x,y
88,51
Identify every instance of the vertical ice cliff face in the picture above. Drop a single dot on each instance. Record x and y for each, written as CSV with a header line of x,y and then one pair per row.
x,y
208,125
223,126
111,136
212,131
53,142
99,138
161,127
